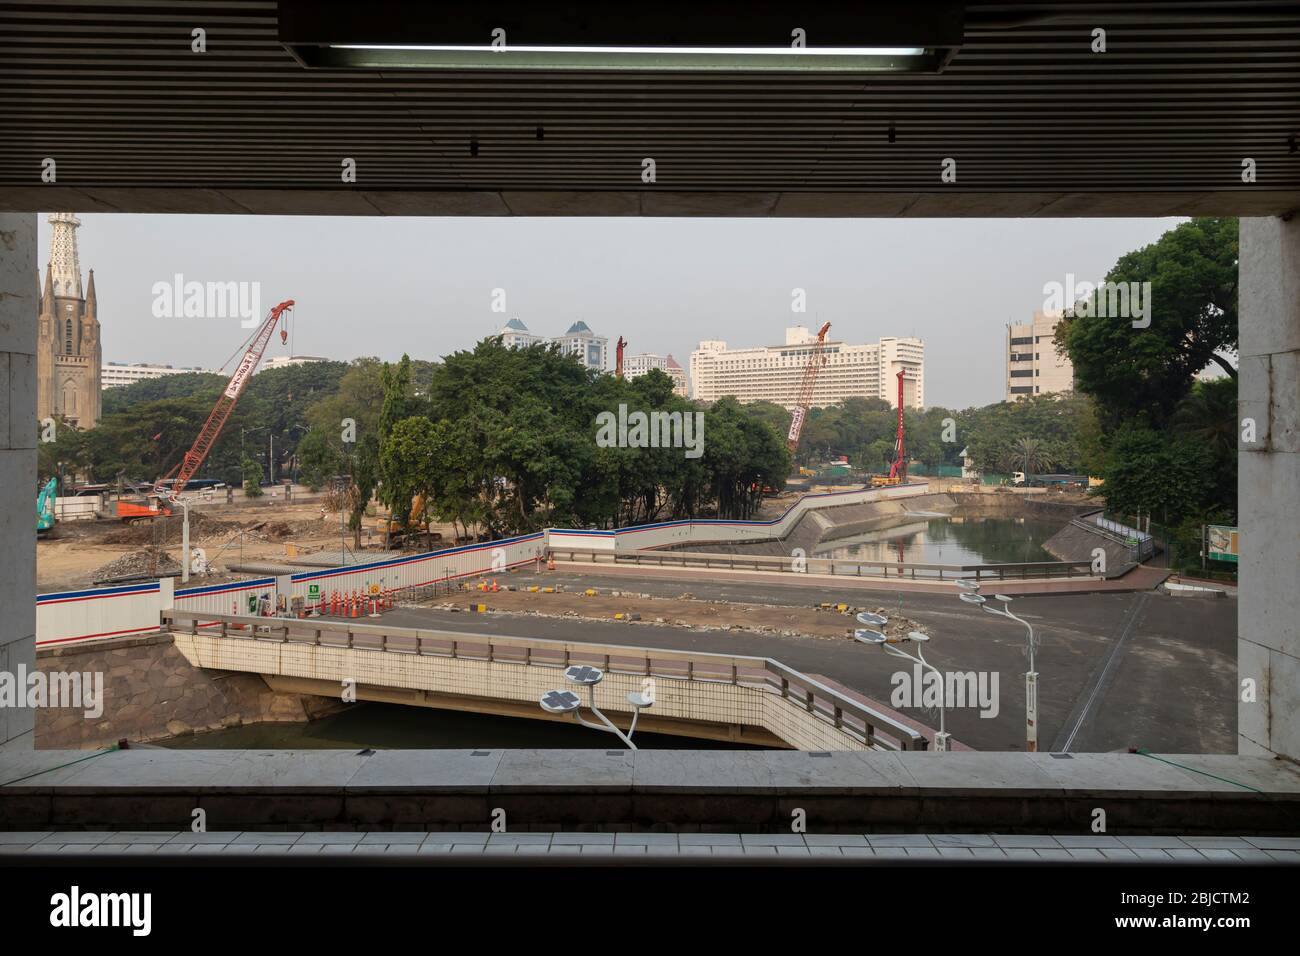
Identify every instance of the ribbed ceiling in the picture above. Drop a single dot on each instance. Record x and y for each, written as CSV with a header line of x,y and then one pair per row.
x,y
1158,124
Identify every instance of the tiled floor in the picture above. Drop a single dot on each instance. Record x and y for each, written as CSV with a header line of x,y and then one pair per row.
x,y
687,846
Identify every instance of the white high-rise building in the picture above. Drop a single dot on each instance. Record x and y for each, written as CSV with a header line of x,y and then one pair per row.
x,y
775,373
515,335
117,374
284,361
634,366
1033,365
592,349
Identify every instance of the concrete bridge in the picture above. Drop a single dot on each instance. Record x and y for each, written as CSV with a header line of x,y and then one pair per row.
x,y
750,700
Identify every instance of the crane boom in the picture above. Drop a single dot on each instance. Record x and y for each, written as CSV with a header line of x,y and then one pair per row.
x,y
815,363
225,404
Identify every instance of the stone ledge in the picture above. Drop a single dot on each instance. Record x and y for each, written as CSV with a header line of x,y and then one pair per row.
x,y
648,790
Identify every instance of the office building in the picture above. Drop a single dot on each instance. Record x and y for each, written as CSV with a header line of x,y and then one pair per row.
x,y
635,366
1033,365
775,373
117,374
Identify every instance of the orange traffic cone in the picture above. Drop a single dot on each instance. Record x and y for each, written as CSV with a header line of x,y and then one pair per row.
x,y
550,562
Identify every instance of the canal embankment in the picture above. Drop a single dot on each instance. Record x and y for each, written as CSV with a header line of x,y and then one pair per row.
x,y
151,692
816,529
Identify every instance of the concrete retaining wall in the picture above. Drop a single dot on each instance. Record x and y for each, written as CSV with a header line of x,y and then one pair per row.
x,y
1073,543
152,692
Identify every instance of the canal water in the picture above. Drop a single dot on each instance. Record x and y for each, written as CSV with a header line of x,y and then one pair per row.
x,y
394,727
950,540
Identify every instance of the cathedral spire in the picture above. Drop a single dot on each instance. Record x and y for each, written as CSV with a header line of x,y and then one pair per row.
x,y
90,295
64,260
47,296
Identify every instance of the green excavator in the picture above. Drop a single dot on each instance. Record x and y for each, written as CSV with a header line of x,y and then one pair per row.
x,y
45,506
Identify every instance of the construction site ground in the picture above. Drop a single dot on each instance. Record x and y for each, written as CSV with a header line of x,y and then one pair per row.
x,y
76,555
683,609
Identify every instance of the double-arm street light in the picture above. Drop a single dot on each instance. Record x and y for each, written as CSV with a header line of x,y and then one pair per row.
x,y
970,594
566,702
869,634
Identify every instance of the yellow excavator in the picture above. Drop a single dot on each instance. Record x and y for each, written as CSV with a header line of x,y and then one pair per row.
x,y
416,524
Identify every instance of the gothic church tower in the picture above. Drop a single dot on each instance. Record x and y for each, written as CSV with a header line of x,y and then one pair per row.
x,y
68,352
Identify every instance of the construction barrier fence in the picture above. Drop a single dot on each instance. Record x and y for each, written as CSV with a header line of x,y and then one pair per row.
x,y
362,589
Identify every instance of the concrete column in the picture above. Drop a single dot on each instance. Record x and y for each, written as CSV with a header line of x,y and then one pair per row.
x,y
1268,487
18,310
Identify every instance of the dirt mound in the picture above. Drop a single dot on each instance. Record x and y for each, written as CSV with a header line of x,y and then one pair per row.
x,y
277,530
137,563
202,527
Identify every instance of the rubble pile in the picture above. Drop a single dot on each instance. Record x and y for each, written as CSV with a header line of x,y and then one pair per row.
x,y
147,563
202,528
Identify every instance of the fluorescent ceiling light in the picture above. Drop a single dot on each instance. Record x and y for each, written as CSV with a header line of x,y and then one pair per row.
x,y
557,57
670,35
688,51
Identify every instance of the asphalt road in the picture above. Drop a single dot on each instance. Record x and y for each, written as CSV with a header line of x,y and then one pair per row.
x,y
1116,670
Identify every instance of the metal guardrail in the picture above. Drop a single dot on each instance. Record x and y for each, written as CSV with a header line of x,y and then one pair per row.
x,y
1141,545
849,567
863,723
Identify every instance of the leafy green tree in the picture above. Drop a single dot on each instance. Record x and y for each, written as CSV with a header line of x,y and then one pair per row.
x,y
126,398
1057,423
318,460
1144,373
364,467
1147,473
252,471
1208,418
66,455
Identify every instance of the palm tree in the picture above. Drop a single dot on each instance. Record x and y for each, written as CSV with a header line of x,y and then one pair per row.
x,y
1030,455
1209,415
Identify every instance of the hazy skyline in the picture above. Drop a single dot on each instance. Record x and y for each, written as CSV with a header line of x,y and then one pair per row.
x,y
384,286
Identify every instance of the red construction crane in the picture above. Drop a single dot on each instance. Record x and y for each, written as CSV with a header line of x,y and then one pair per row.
x,y
815,362
898,469
211,429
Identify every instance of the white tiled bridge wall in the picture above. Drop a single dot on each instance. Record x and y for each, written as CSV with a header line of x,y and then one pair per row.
x,y
100,613
713,701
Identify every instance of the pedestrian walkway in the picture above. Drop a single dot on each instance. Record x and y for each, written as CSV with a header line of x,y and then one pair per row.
x,y
1139,578
765,848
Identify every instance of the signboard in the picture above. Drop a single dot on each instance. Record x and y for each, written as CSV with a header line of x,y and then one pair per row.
x,y
241,374
796,424
313,592
374,589
1221,543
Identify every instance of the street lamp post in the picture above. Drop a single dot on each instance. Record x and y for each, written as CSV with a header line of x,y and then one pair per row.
x,y
869,635
185,537
566,701
1031,675
970,594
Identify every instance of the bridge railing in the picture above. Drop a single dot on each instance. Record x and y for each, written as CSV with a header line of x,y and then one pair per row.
x,y
859,721
850,567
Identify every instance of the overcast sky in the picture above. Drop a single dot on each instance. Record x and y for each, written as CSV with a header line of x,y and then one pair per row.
x,y
384,286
